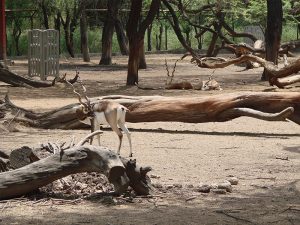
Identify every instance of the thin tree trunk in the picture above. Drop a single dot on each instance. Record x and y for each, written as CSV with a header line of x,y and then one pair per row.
x,y
84,37
142,58
159,38
166,37
45,15
57,25
212,45
16,38
273,33
188,39
149,38
121,36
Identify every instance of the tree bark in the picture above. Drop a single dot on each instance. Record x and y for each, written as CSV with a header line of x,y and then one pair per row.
x,y
107,34
136,32
273,32
110,23
149,38
218,108
84,37
142,58
121,36
16,37
159,38
45,14
133,61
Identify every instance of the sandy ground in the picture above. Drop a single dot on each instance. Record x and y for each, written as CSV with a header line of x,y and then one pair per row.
x,y
179,153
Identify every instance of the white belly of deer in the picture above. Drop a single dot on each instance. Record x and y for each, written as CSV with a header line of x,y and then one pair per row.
x,y
100,119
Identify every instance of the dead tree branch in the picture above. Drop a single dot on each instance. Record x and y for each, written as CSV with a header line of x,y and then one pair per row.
x,y
16,80
275,72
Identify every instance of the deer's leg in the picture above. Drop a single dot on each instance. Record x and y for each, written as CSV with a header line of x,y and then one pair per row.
x,y
126,131
115,128
93,123
98,136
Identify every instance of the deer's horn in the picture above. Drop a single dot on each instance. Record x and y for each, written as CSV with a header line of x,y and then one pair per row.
x,y
78,95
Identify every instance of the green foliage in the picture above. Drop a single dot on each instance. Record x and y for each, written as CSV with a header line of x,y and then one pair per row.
x,y
237,13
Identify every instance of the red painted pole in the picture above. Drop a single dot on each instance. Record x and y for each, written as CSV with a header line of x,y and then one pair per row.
x,y
2,31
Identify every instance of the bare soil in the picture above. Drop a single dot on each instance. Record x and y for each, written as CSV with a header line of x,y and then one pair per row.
x,y
183,156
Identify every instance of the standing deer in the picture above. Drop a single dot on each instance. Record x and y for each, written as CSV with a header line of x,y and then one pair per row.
x,y
104,112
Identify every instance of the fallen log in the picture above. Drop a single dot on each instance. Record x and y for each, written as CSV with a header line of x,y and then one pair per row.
x,y
218,108
275,72
16,80
76,160
120,172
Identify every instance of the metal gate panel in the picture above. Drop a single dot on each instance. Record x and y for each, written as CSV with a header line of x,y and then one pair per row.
x,y
43,53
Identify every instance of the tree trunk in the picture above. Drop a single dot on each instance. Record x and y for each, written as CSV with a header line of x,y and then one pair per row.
x,y
120,172
57,25
273,32
69,42
166,37
121,36
187,37
142,58
45,15
212,45
107,35
133,62
136,31
159,38
218,108
108,31
149,38
16,36
84,37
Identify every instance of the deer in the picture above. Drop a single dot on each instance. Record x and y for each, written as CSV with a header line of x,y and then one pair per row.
x,y
185,85
211,84
104,112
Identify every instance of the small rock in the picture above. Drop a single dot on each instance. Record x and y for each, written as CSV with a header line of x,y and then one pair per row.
x,y
214,186
225,185
218,191
204,188
157,185
170,186
233,180
189,186
80,186
177,185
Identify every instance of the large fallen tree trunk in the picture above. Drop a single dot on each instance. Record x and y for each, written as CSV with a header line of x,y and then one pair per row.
x,y
120,172
267,106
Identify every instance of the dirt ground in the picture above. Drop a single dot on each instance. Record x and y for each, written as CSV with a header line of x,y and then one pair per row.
x,y
183,156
